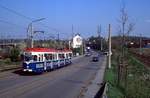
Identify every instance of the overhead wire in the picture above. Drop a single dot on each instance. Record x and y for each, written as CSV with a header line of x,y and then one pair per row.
x,y
15,12
26,17
10,23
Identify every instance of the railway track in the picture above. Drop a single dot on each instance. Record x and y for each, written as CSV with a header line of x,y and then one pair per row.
x,y
7,68
143,58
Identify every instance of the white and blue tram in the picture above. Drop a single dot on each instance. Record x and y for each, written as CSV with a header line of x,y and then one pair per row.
x,y
38,60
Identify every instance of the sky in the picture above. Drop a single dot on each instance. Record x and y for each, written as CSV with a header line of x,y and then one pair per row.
x,y
60,15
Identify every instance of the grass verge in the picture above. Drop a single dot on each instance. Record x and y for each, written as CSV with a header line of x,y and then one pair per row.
x,y
110,77
138,80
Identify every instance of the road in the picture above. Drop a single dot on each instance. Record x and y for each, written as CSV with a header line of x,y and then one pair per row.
x,y
66,82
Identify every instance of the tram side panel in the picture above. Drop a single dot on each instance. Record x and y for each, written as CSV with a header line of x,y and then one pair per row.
x,y
40,61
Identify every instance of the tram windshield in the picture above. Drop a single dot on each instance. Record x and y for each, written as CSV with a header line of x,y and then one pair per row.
x,y
70,55
28,57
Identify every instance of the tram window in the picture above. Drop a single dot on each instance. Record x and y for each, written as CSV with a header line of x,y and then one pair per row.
x,y
50,56
70,54
66,55
59,55
56,56
63,56
40,57
46,56
35,57
53,56
27,58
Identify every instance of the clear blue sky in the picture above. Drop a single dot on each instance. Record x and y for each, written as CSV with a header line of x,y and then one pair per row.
x,y
85,15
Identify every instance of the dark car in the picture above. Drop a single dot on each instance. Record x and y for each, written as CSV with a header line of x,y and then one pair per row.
x,y
95,59
105,53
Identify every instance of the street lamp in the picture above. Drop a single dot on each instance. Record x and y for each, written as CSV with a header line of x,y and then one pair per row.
x,y
38,20
31,30
109,42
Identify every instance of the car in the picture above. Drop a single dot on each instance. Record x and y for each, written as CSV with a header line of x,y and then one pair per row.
x,y
105,53
87,54
95,58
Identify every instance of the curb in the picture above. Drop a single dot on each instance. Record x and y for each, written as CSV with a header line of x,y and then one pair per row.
x,y
96,84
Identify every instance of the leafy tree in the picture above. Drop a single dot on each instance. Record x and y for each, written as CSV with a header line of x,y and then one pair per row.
x,y
95,43
77,50
14,54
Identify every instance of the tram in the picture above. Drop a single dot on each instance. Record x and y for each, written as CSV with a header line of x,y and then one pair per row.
x,y
38,60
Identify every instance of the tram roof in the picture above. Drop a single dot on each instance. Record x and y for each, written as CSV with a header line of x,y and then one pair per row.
x,y
40,50
45,50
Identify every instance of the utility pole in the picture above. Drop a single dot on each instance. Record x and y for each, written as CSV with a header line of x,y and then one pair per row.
x,y
32,36
99,31
109,54
100,36
30,28
69,44
140,44
101,44
72,32
71,40
58,40
83,46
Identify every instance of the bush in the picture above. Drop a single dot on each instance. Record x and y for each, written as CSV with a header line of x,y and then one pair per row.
x,y
7,61
14,54
77,50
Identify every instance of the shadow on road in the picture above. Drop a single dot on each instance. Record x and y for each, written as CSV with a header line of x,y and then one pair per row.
x,y
22,73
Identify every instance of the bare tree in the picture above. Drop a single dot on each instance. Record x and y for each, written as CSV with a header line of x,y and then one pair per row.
x,y
125,28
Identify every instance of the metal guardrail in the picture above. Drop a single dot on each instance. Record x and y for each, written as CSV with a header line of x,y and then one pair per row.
x,y
102,93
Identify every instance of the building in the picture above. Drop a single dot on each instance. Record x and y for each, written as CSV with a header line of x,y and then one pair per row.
x,y
146,43
77,41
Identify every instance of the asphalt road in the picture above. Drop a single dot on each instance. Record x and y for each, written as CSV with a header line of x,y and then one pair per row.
x,y
66,82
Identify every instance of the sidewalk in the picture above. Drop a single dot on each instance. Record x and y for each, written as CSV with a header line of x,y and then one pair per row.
x,y
94,87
